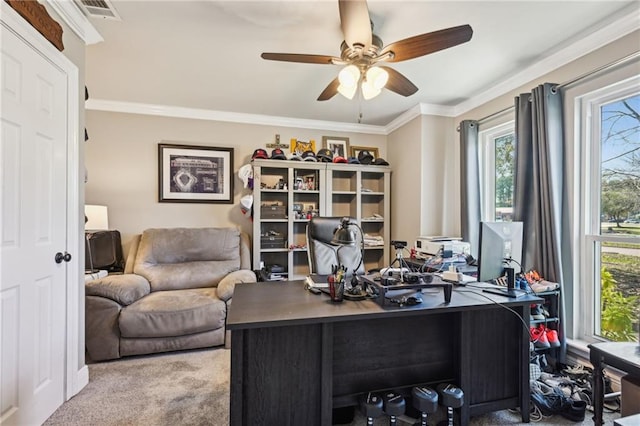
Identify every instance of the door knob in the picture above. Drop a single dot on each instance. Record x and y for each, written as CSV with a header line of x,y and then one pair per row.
x,y
62,257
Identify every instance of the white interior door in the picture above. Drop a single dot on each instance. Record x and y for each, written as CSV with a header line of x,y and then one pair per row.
x,y
33,161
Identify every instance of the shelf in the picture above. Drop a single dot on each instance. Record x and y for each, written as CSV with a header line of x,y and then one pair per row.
x,y
544,321
334,190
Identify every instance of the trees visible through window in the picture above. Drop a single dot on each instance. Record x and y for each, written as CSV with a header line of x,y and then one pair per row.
x,y
618,244
497,159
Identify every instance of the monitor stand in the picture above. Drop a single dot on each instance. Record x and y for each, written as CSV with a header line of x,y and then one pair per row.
x,y
510,291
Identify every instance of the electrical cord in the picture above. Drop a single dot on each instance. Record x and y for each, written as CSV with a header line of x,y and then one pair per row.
x,y
480,293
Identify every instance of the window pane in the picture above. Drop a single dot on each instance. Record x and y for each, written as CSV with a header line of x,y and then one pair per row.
x,y
505,164
620,217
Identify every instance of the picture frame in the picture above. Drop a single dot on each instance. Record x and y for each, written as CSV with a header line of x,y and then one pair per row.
x,y
195,174
339,146
355,150
299,147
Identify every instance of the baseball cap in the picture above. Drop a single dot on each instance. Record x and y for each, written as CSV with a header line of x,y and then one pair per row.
x,y
246,202
380,162
325,155
353,160
365,157
295,157
246,174
278,154
309,156
259,153
339,159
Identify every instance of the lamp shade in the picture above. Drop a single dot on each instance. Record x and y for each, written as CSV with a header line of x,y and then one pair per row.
x,y
96,217
344,235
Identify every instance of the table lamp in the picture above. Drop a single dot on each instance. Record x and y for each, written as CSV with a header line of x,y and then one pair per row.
x,y
95,219
345,235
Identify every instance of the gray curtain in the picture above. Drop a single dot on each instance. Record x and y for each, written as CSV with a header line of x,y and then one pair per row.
x,y
470,204
539,200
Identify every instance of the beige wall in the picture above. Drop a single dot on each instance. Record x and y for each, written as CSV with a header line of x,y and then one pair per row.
x,y
423,163
122,165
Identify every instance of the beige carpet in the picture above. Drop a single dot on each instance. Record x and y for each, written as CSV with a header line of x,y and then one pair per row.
x,y
191,388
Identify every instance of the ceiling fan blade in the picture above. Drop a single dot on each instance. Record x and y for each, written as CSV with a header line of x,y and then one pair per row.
x,y
295,57
330,91
399,83
355,22
424,44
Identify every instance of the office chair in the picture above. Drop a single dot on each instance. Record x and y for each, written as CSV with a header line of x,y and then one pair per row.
x,y
322,254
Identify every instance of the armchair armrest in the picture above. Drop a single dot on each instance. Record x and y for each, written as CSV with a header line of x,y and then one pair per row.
x,y
124,289
228,283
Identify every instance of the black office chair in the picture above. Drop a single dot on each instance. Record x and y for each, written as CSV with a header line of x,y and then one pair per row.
x,y
322,253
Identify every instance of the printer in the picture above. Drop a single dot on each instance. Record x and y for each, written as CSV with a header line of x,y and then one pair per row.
x,y
442,246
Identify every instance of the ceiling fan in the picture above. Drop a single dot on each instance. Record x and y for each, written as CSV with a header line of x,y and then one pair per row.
x,y
362,51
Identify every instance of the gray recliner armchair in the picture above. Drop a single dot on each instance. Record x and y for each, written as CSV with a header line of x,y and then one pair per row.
x,y
174,294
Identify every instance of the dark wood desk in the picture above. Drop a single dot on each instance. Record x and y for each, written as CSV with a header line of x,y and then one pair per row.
x,y
296,355
624,356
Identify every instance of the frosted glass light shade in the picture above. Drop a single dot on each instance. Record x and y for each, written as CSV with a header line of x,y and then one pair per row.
x,y
377,77
347,91
349,76
97,217
369,91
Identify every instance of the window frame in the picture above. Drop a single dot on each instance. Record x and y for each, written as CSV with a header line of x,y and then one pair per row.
x,y
587,117
487,153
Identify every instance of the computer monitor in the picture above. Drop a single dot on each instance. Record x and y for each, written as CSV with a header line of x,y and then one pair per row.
x,y
500,241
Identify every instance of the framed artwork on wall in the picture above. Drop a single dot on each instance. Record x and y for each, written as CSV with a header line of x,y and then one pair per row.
x,y
339,146
195,174
355,150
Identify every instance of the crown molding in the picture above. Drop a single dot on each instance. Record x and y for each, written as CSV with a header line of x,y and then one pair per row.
x,y
76,20
418,111
625,25
233,117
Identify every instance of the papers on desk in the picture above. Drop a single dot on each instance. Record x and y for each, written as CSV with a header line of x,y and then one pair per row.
x,y
318,281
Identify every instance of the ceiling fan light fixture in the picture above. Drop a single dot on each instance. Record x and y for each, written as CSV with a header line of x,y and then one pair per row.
x,y
347,91
349,76
377,77
369,91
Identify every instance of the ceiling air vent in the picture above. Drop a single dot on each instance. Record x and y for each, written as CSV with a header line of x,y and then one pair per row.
x,y
99,9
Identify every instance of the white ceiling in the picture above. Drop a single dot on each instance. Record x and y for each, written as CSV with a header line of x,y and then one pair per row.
x,y
206,54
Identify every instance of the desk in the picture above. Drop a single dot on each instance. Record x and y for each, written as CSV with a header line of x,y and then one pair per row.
x,y
624,356
296,355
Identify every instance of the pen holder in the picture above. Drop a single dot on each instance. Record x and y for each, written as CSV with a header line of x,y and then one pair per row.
x,y
336,289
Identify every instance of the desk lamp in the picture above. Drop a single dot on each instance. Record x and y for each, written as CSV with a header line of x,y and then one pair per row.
x,y
345,235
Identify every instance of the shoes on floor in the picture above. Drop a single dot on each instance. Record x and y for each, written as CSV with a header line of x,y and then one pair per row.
x,y
551,401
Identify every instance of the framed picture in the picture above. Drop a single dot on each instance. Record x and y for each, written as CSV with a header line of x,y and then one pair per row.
x,y
299,147
195,174
355,150
338,145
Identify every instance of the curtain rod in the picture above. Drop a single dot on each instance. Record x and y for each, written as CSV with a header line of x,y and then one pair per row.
x,y
569,82
597,70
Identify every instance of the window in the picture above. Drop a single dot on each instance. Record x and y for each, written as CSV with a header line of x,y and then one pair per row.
x,y
497,163
610,250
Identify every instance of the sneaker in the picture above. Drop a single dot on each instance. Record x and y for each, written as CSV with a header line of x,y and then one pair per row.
x,y
544,285
539,338
552,337
574,410
536,312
